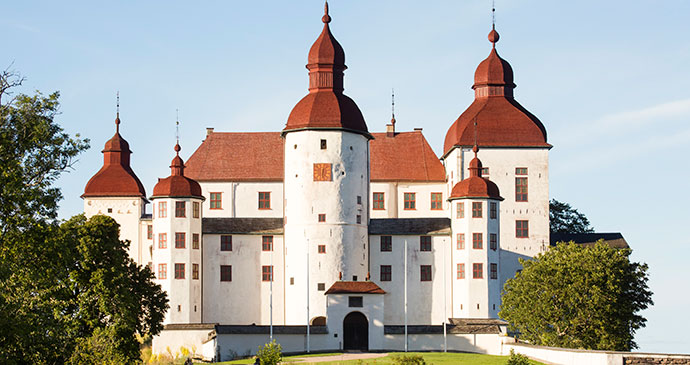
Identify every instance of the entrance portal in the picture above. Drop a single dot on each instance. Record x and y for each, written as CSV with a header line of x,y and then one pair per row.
x,y
356,332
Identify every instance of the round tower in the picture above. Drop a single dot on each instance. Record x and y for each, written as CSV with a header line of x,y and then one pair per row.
x,y
177,248
326,185
475,216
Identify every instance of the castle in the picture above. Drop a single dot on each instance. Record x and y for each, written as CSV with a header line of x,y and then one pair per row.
x,y
328,236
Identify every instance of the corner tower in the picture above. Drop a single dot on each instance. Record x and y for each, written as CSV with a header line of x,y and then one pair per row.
x,y
326,185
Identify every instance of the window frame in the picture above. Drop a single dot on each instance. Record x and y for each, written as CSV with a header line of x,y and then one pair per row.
x,y
477,270
267,273
162,209
477,209
180,237
227,270
386,273
425,243
215,200
521,192
477,241
521,171
179,271
149,231
162,271
195,271
460,210
521,228
493,241
460,241
265,200
437,200
493,271
321,249
321,218
266,243
460,269
493,210
180,209
386,243
196,241
379,204
425,273
226,243
162,240
196,210
410,201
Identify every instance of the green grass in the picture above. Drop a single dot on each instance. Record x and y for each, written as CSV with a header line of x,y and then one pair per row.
x,y
429,357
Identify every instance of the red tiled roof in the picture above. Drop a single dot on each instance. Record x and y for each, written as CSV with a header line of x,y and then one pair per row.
x,y
354,287
238,157
405,157
177,185
475,186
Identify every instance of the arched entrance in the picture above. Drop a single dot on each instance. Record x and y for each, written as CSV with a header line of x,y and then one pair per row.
x,y
356,332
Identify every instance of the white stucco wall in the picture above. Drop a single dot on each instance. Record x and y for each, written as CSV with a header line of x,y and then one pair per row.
x,y
372,308
127,212
241,199
171,341
394,199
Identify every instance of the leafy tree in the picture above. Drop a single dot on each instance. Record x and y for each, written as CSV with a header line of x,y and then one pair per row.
x,y
270,353
578,297
565,219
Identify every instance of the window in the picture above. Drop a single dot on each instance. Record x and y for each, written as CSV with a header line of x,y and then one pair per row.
x,y
162,271
425,243
162,240
410,201
493,210
226,243
359,199
322,248
321,286
460,207
520,189
196,210
323,144
359,219
485,172
378,201
425,272
476,209
216,200
520,171
477,271
267,243
385,273
522,229
225,272
195,271
355,302
494,271
477,241
461,271
436,201
195,241
322,172
267,273
322,217
162,209
149,232
386,243
180,240
179,271
180,208
493,241
265,200
461,241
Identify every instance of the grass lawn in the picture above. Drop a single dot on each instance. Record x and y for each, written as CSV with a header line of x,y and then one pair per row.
x,y
429,357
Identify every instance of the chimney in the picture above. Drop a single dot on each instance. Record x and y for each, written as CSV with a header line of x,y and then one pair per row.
x,y
209,130
390,130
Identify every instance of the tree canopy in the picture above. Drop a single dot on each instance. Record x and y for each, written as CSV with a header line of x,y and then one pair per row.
x,y
578,297
565,219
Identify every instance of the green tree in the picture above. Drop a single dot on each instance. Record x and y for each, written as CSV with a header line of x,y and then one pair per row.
x,y
565,219
270,353
578,297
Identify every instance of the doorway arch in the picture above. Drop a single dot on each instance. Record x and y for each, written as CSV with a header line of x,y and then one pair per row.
x,y
355,332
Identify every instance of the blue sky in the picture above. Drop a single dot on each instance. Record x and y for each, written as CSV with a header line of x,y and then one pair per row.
x,y
609,81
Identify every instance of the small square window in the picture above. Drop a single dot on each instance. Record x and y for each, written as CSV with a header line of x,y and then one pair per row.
x,y
162,240
321,286
322,217
267,273
110,210
477,241
195,241
179,271
522,229
410,201
196,210
461,241
378,201
460,208
461,271
386,273
216,200
425,272
477,271
264,200
425,243
485,172
436,201
180,238
386,243
225,243
180,209
322,248
355,302
225,272
267,243
162,271
324,144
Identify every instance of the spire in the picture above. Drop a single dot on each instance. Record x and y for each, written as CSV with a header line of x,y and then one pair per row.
x,y
117,114
326,18
393,107
177,165
326,61
475,165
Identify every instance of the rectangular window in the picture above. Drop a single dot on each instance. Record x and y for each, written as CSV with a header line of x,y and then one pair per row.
x,y
195,241
460,207
225,272
461,271
485,172
359,219
322,217
195,271
267,243
461,241
226,243
493,241
386,243
379,201
322,248
522,229
477,241
477,271
410,201
162,240
180,239
180,209
355,302
476,209
520,189
216,201
436,201
267,273
425,273
386,273
493,210
162,209
162,271
323,144
179,271
196,210
359,199
149,232
520,171
424,243
494,271
265,200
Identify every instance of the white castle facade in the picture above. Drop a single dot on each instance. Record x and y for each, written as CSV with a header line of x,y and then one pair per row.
x,y
326,236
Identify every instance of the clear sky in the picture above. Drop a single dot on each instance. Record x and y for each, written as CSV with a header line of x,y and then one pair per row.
x,y
609,80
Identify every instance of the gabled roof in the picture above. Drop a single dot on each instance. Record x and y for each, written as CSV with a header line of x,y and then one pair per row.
x,y
405,157
354,287
614,239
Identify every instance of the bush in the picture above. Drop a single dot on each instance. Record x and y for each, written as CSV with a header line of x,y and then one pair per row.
x,y
409,360
270,353
517,359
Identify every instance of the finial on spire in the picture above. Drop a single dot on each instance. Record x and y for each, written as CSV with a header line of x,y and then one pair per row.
x,y
326,18
493,14
493,35
392,106
177,131
475,148
117,114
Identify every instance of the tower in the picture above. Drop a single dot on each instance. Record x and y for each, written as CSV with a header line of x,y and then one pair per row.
x,y
177,248
326,185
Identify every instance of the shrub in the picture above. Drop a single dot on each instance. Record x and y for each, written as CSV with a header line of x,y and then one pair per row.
x,y
270,353
517,359
409,360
